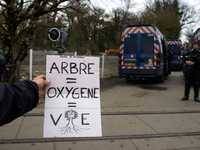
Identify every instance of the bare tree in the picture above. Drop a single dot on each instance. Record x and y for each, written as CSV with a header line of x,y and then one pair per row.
x,y
19,20
170,16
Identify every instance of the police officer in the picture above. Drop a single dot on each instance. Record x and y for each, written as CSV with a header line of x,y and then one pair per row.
x,y
192,76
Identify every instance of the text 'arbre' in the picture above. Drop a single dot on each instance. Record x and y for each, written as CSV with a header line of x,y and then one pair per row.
x,y
71,68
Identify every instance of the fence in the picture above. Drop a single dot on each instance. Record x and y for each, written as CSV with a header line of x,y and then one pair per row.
x,y
35,64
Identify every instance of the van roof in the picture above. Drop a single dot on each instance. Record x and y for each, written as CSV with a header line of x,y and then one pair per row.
x,y
157,31
137,25
174,40
197,30
196,35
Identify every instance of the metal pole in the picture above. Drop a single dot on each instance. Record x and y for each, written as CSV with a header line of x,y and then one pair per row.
x,y
102,69
31,64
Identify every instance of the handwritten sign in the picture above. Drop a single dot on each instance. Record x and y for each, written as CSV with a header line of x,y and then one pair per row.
x,y
72,100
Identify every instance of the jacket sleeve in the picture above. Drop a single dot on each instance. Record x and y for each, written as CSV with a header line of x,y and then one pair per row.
x,y
197,63
17,99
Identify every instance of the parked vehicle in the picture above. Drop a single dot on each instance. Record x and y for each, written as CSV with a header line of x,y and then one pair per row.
x,y
143,53
177,48
195,37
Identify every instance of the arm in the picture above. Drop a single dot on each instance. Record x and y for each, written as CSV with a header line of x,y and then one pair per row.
x,y
197,63
19,98
190,63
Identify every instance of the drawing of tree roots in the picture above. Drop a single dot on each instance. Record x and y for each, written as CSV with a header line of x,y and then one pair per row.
x,y
70,127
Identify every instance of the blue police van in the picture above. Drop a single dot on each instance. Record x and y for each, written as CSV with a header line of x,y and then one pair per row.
x,y
177,49
143,53
195,37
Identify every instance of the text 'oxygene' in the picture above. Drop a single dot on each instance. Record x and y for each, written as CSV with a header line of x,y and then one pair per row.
x,y
76,93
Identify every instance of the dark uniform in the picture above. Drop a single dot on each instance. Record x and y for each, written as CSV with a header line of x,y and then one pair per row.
x,y
16,99
192,76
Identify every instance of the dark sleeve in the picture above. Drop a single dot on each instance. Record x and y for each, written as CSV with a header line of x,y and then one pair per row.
x,y
17,99
188,53
197,63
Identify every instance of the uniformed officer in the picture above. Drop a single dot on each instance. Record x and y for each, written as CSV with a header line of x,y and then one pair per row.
x,y
192,76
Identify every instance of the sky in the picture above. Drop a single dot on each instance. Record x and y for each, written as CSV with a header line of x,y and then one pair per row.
x,y
108,5
139,4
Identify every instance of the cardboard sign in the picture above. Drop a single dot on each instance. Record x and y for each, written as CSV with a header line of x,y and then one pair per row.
x,y
72,100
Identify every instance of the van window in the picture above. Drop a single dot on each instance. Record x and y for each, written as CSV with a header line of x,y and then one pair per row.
x,y
130,45
147,45
177,50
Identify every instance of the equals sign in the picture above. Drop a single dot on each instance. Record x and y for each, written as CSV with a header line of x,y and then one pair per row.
x,y
71,80
71,104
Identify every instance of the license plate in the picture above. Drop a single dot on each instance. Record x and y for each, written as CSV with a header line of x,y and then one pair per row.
x,y
130,64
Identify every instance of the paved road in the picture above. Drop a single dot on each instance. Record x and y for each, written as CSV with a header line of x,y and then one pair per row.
x,y
142,115
120,95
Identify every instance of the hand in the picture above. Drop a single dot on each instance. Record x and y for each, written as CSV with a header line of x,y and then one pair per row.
x,y
190,63
42,83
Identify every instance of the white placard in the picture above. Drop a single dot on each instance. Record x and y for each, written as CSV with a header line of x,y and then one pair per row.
x,y
72,100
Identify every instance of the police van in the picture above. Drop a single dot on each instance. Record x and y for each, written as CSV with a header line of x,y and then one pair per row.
x,y
177,48
143,53
195,37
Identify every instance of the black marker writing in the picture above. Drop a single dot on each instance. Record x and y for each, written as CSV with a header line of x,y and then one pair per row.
x,y
55,122
72,68
71,80
74,92
83,118
71,104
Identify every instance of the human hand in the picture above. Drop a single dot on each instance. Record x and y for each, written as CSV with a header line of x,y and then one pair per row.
x,y
42,83
190,63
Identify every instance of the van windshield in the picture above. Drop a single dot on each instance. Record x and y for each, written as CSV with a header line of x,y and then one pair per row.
x,y
177,50
130,45
147,45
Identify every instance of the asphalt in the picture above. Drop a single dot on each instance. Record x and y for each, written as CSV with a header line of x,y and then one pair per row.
x,y
162,128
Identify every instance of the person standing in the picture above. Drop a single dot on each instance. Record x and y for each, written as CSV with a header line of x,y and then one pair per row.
x,y
192,72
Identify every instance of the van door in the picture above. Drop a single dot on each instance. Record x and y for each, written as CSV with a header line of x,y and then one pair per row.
x,y
146,57
176,54
130,50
